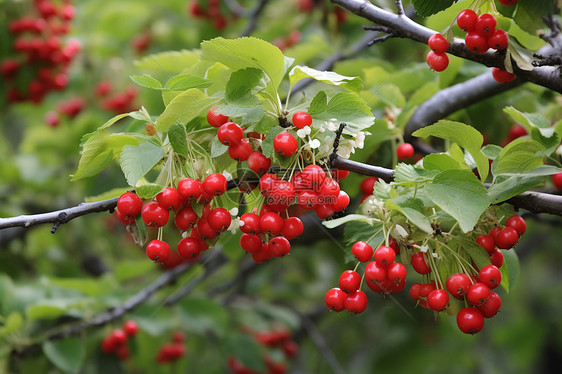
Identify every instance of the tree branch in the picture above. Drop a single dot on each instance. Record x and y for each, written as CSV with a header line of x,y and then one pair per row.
x,y
451,99
546,76
253,18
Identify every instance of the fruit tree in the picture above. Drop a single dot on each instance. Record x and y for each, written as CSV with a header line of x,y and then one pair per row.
x,y
281,186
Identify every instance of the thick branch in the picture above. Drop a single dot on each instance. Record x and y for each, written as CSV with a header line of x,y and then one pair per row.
x,y
454,98
546,76
58,217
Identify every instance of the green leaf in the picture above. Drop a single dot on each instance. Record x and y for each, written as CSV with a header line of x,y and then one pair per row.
x,y
318,104
13,323
217,148
45,311
530,120
328,77
68,355
243,85
349,108
518,157
114,120
478,254
146,81
98,151
408,175
459,193
413,209
246,350
178,139
149,190
184,82
136,161
491,151
172,62
347,218
248,52
203,315
184,108
391,96
244,116
465,136
89,287
126,270
440,162
425,8
267,143
512,186
141,115
510,269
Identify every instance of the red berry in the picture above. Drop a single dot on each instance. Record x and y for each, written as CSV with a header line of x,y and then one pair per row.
x,y
169,198
342,202
216,119
356,302
323,211
189,189
486,242
215,184
189,248
466,20
263,254
508,2
557,180
258,163
285,144
178,337
491,306
405,151
154,215
219,219
502,76
419,263
118,337
250,243
470,320
518,223
490,275
338,174
279,246
129,204
477,293
458,284
267,183
375,272
415,291
312,177
130,328
396,272
438,43
290,348
126,220
384,255
271,223
496,258
302,119
334,299
292,228
206,232
437,61
437,300
185,218
251,223
367,185
349,281
230,133
485,25
158,250
476,43
498,40
506,238
240,151
362,251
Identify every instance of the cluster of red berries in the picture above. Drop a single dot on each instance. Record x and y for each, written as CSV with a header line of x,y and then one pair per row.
x,y
116,102
279,339
70,108
437,59
288,41
42,55
482,35
173,351
180,201
210,10
383,275
116,342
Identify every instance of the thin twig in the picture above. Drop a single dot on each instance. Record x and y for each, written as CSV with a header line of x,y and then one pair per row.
x,y
399,7
253,18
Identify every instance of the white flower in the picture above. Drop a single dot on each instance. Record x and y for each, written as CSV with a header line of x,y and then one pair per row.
x,y
227,175
434,254
233,211
424,248
400,231
314,144
331,125
234,225
184,234
360,139
302,133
